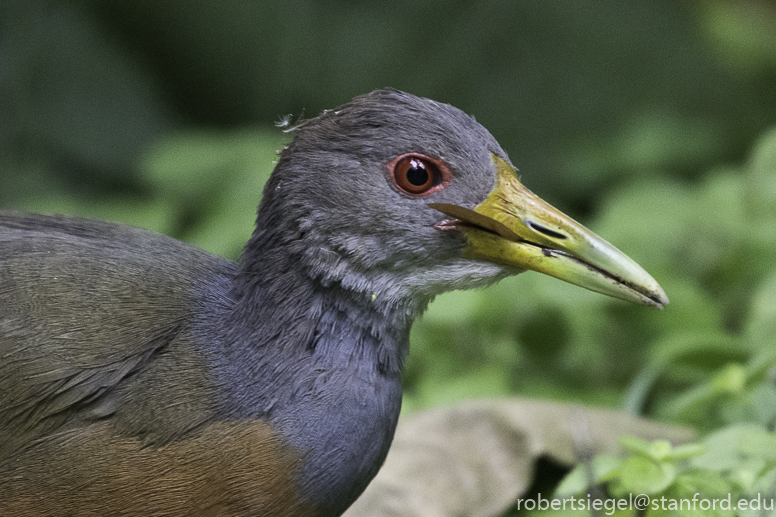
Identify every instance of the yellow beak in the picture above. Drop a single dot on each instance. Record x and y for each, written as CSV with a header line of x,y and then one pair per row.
x,y
515,228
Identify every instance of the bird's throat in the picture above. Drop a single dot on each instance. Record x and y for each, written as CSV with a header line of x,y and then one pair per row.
x,y
323,366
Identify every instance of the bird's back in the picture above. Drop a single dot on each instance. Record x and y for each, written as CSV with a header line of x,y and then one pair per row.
x,y
100,360
84,307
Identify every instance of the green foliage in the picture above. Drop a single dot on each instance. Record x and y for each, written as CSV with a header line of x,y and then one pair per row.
x,y
735,463
212,179
583,95
719,378
204,187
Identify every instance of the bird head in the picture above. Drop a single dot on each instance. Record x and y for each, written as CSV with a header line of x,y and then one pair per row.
x,y
401,197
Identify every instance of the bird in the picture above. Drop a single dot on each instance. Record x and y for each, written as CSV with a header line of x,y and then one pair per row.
x,y
142,376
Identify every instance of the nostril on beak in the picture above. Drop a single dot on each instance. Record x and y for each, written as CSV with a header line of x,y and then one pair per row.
x,y
552,234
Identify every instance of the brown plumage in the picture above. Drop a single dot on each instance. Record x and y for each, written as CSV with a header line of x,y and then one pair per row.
x,y
237,468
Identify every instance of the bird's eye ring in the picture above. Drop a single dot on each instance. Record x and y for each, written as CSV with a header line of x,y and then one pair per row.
x,y
418,175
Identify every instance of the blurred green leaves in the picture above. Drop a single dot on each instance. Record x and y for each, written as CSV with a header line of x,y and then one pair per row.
x,y
582,94
212,181
742,32
734,463
76,108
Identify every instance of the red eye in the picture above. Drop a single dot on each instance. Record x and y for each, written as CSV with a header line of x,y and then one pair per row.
x,y
418,175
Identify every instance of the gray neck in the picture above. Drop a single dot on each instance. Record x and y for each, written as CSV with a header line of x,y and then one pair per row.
x,y
322,363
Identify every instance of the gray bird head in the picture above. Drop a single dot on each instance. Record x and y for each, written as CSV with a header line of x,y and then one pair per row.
x,y
402,198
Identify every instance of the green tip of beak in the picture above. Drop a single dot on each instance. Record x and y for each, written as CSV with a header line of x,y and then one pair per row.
x,y
515,228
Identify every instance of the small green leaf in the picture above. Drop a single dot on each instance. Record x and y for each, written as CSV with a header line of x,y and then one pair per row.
x,y
731,379
659,450
604,468
723,447
747,474
690,450
642,475
759,444
706,482
636,445
765,482
574,483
